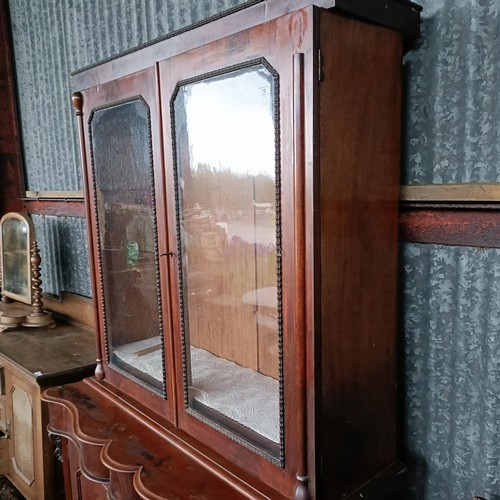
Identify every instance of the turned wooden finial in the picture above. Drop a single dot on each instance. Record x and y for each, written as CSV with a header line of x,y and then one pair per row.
x,y
301,490
99,370
77,100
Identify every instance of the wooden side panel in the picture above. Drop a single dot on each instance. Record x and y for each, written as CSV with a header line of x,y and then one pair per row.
x,y
23,460
359,188
30,452
4,431
80,487
12,185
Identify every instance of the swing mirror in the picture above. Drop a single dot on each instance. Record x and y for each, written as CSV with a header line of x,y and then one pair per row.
x,y
16,239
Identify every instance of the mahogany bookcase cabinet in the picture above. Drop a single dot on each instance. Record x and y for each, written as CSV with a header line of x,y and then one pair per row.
x,y
242,183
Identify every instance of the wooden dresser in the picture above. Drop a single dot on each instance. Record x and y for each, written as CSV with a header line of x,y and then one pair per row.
x,y
32,360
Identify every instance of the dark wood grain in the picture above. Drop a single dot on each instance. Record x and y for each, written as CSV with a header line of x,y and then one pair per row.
x,y
12,185
301,488
359,186
458,226
143,456
51,354
59,208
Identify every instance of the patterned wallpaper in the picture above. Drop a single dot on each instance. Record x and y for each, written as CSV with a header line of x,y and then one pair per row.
x,y
451,321
53,38
64,252
453,104
450,296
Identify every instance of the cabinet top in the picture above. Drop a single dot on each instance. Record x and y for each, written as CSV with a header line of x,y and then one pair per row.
x,y
400,15
50,355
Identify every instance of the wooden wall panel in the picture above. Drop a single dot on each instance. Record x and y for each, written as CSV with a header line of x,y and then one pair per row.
x,y
11,172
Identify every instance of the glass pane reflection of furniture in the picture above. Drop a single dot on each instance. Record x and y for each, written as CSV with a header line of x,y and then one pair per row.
x,y
121,147
226,179
17,234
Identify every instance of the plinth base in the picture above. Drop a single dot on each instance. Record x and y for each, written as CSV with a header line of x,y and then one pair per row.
x,y
39,320
12,320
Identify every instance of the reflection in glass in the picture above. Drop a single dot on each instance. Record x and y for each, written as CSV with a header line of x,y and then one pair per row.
x,y
16,240
226,166
123,177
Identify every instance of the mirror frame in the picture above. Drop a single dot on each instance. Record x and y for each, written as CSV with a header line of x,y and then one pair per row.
x,y
28,297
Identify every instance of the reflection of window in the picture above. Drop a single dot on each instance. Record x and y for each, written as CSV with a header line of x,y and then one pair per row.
x,y
230,122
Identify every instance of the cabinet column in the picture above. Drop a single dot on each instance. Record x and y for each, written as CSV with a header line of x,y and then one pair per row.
x,y
301,490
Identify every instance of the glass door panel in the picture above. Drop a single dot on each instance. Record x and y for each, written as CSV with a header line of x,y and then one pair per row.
x,y
227,181
127,237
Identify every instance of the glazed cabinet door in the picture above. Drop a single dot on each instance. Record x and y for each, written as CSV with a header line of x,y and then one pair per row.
x,y
230,174
125,192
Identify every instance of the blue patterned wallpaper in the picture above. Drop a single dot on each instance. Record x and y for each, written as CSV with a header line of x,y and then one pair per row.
x,y
64,252
53,38
451,319
450,307
453,104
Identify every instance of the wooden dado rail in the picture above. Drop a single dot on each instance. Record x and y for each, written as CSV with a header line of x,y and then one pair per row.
x,y
451,214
